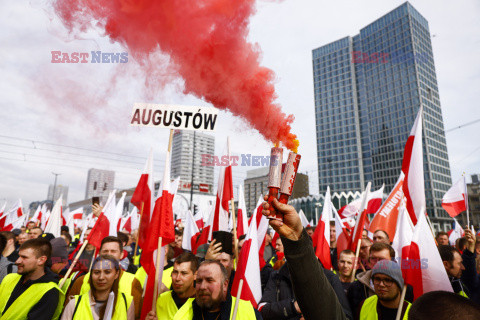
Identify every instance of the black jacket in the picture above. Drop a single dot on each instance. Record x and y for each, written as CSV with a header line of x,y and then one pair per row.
x,y
278,295
45,308
470,277
225,309
314,294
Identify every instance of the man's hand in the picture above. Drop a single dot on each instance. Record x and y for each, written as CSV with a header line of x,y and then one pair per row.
x,y
151,316
470,240
297,308
291,227
97,209
213,250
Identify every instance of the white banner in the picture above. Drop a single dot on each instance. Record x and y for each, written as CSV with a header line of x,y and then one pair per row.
x,y
174,117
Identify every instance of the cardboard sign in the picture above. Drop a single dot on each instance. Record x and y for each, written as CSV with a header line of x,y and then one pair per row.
x,y
174,117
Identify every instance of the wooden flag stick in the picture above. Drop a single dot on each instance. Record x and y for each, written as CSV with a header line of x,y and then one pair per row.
x,y
170,139
93,259
237,300
69,271
400,306
235,240
138,234
157,273
356,259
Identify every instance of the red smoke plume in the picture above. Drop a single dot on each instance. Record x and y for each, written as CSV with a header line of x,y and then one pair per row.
x,y
206,41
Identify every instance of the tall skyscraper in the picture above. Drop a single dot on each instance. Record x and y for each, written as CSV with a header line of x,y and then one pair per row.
x,y
99,183
188,150
368,90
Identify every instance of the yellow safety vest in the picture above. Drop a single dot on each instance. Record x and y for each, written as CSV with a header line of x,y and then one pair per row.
x,y
20,308
68,282
166,307
141,276
83,309
124,284
369,309
245,310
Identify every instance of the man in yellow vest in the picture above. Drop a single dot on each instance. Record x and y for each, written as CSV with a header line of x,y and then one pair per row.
x,y
211,298
388,284
183,278
113,246
32,292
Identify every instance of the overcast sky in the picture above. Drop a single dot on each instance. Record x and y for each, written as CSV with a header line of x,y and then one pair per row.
x,y
80,105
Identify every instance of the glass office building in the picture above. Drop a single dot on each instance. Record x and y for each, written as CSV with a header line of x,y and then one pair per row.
x,y
368,90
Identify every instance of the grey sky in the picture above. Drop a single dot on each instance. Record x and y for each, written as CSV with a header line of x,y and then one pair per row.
x,y
91,110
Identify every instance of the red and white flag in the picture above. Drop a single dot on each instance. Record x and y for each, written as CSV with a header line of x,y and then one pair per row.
x,y
43,216
224,195
425,271
456,233
117,218
341,233
190,232
36,216
242,221
386,217
403,233
353,208
161,226
77,214
454,201
262,228
412,167
248,269
321,236
101,228
362,218
143,199
55,222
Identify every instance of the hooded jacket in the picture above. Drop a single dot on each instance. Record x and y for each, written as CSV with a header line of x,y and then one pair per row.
x,y
6,267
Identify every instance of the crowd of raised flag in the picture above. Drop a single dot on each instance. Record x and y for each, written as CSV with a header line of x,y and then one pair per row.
x,y
371,259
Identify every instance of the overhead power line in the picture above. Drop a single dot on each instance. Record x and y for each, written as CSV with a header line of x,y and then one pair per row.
x,y
463,125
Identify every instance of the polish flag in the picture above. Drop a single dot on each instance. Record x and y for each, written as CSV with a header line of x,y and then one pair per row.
x,y
403,234
341,233
456,233
189,233
386,217
117,217
248,269
43,216
242,221
224,195
426,271
17,223
412,167
353,208
36,216
321,236
77,214
303,219
262,228
161,226
12,214
454,201
143,198
55,223
101,229
360,224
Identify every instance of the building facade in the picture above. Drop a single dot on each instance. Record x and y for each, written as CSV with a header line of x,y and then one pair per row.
x,y
59,190
256,184
99,183
368,90
188,150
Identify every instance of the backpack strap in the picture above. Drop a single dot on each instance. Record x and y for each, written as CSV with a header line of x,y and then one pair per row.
x,y
76,306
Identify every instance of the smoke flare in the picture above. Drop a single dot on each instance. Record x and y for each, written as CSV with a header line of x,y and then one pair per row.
x,y
206,41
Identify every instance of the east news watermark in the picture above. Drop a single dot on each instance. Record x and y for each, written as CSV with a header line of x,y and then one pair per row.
x,y
89,57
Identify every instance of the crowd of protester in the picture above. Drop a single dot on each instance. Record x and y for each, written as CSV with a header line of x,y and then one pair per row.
x,y
108,283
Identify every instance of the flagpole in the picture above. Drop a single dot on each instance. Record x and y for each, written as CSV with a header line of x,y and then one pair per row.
x,y
235,240
400,306
466,199
357,253
157,274
69,271
138,235
159,245
237,300
93,258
